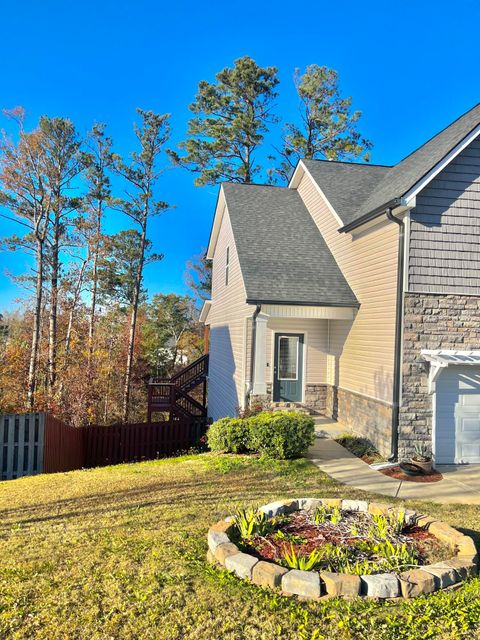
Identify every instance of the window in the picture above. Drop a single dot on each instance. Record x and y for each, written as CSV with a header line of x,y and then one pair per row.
x,y
227,264
288,358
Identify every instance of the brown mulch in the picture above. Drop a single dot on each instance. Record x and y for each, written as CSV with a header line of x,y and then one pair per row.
x,y
397,473
313,536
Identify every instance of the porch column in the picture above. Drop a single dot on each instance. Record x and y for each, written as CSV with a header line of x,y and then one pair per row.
x,y
260,362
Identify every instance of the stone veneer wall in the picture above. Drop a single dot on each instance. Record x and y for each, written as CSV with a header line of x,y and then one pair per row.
x,y
431,321
315,397
365,416
331,409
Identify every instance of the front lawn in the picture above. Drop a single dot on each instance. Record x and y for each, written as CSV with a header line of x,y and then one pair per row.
x,y
119,553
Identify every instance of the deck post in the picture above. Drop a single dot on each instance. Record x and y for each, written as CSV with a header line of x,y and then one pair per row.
x,y
149,405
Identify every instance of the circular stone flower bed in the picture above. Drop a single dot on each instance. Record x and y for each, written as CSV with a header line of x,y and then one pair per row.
x,y
312,547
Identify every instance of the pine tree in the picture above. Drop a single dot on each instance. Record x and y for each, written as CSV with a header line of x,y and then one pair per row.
x,y
327,129
140,206
96,162
26,196
231,118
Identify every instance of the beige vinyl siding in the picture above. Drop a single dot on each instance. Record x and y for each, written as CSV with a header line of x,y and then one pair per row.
x,y
338,331
316,342
227,319
369,263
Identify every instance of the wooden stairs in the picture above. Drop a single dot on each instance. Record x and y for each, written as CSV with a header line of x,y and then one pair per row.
x,y
173,396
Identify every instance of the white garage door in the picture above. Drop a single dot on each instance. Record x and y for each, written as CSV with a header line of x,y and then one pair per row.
x,y
457,419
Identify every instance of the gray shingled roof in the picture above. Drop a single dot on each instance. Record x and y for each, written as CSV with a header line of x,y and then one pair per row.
x,y
283,256
404,175
355,190
346,184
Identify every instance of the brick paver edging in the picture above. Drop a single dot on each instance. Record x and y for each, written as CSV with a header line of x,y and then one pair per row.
x,y
314,584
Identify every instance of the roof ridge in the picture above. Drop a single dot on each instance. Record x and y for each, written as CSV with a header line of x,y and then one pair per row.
x,y
354,164
440,132
252,184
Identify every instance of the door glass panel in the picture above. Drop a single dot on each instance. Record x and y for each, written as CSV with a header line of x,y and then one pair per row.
x,y
288,358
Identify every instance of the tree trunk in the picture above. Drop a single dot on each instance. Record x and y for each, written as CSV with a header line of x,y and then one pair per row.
x,y
68,337
52,333
37,314
248,168
107,390
93,308
133,326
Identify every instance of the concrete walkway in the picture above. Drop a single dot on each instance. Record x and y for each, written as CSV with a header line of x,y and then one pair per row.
x,y
460,484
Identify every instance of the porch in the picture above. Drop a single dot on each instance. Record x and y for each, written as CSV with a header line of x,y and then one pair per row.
x,y
293,355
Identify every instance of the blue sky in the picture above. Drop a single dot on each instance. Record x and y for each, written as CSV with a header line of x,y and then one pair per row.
x,y
411,67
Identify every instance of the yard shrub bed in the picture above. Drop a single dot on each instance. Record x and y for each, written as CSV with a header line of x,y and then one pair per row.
x,y
349,542
360,447
280,435
310,547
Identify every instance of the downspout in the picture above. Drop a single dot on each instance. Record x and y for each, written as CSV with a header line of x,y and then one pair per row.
x,y
252,352
397,363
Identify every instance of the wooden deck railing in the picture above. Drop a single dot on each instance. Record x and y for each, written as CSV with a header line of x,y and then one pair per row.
x,y
172,396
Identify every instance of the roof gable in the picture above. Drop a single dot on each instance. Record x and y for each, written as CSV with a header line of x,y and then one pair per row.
x,y
359,192
282,255
345,184
401,178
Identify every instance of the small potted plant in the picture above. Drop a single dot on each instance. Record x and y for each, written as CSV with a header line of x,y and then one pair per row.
x,y
421,458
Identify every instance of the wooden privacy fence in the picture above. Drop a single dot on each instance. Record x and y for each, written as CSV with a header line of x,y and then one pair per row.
x,y
39,443
64,446
21,438
143,441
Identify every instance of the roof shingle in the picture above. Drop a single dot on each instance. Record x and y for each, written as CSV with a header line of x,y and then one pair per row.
x,y
407,173
346,184
355,190
282,254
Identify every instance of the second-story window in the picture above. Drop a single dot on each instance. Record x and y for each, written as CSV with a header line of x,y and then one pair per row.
x,y
227,264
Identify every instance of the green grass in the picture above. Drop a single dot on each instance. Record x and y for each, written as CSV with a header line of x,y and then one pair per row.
x,y
119,553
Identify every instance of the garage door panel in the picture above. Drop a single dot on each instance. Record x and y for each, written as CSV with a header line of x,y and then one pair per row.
x,y
470,399
469,426
457,415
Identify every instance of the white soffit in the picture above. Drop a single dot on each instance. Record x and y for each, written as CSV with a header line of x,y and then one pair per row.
x,y
308,312
441,358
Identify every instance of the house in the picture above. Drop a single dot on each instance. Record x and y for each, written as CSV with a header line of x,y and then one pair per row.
x,y
170,354
356,291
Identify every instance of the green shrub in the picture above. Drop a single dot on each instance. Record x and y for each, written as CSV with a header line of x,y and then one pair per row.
x,y
229,435
281,435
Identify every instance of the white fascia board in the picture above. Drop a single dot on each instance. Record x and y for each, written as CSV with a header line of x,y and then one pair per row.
x,y
207,304
297,175
217,223
375,223
300,170
421,184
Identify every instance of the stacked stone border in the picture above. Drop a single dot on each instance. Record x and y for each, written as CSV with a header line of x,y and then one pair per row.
x,y
313,585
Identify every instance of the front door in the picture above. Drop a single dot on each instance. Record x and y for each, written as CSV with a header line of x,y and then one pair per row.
x,y
288,367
